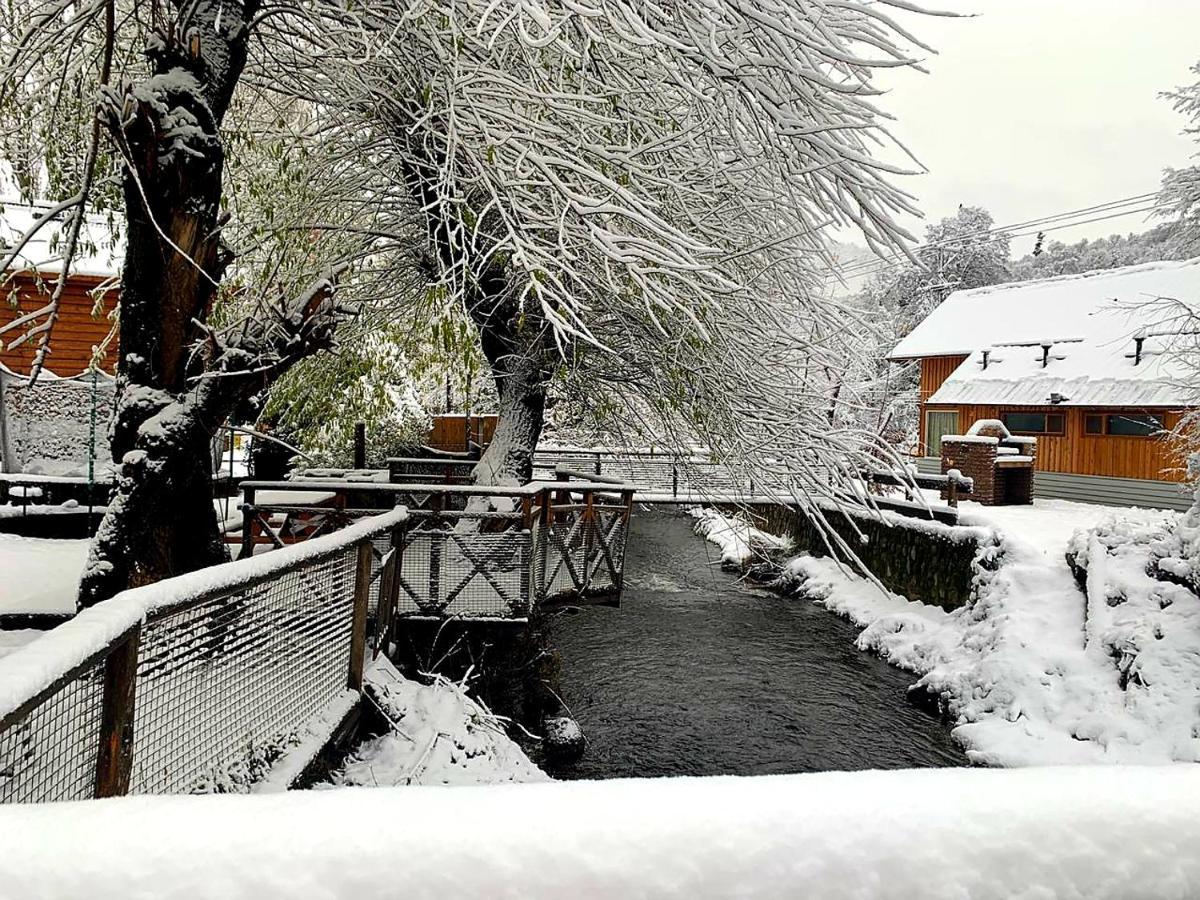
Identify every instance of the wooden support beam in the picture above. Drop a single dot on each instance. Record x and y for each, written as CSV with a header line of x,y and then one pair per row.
x,y
114,762
358,629
247,523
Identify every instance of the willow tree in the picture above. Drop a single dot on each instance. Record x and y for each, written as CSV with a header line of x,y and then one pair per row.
x,y
146,89
629,200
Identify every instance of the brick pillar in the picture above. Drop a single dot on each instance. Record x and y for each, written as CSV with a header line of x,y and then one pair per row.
x,y
976,459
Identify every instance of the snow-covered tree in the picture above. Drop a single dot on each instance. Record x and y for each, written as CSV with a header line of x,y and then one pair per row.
x,y
131,104
628,201
1179,195
960,252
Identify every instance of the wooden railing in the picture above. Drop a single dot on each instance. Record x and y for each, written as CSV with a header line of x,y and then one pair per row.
x,y
471,551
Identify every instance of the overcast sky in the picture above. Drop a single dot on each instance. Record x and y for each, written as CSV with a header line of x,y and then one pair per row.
x,y
1034,107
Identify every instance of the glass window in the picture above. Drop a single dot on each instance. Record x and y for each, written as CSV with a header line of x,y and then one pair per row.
x,y
1034,423
1134,424
938,424
1093,424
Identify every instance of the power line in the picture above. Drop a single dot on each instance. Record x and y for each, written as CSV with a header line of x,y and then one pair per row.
x,y
869,265
1043,223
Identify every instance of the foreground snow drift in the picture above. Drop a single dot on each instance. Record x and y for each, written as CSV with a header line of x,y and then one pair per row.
x,y
439,736
1102,832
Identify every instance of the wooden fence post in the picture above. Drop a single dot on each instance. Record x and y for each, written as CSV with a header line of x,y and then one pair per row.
x,y
114,761
952,491
247,523
360,445
358,628
389,592
589,528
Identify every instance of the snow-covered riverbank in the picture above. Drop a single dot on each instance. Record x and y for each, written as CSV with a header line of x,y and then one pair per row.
x,y
439,736
1013,668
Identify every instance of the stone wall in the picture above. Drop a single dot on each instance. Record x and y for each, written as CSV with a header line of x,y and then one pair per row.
x,y
924,561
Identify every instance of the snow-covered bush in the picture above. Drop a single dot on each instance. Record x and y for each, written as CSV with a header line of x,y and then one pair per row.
x,y
1143,623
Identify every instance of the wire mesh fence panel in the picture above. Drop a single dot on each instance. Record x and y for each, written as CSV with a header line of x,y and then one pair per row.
x,y
51,754
445,572
224,685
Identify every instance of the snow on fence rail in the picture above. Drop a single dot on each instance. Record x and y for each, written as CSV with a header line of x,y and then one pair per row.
x,y
197,682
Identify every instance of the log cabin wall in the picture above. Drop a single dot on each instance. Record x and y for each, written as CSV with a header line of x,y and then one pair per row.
x,y
1078,453
75,333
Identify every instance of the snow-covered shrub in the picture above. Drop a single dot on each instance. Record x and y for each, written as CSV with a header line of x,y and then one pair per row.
x,y
1143,615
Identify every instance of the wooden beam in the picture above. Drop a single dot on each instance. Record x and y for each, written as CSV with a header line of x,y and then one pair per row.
x,y
114,762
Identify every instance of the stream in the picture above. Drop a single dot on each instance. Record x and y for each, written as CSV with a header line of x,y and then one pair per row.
x,y
699,674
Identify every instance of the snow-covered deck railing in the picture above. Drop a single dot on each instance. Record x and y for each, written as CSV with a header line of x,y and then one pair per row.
x,y
473,551
197,682
20,488
954,484
685,475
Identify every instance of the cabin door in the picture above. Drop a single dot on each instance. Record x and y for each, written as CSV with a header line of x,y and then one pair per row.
x,y
939,423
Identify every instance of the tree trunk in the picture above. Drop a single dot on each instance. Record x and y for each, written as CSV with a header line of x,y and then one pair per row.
x,y
162,522
508,459
516,345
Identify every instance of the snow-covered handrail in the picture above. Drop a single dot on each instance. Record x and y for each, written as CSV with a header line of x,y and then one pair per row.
x,y
57,687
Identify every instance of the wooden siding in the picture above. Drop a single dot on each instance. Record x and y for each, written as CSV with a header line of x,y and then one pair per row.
x,y
934,372
450,432
1096,488
1077,453
75,333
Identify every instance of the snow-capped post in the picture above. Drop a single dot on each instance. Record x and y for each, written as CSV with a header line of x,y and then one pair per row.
x,y
114,760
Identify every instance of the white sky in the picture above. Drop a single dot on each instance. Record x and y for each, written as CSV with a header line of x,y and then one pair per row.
x,y
1034,107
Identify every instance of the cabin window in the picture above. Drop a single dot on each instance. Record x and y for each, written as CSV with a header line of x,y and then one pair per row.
x,y
1034,423
937,425
1093,424
1134,424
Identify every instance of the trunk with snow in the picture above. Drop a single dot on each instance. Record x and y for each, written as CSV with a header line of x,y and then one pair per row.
x,y
515,345
162,521
178,381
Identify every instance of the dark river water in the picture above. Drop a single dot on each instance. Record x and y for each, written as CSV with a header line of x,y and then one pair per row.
x,y
697,674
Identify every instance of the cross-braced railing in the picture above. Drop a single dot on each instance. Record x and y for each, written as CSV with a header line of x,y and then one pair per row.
x,y
481,552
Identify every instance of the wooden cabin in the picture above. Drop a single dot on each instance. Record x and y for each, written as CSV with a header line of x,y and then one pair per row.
x,y
1091,365
88,299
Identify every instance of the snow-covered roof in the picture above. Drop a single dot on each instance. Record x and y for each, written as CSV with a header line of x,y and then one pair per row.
x,y
100,253
1089,322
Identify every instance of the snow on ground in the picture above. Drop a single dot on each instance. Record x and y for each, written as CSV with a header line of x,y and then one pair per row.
x,y
940,834
1048,524
739,541
1011,667
40,575
16,638
439,736
1146,627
